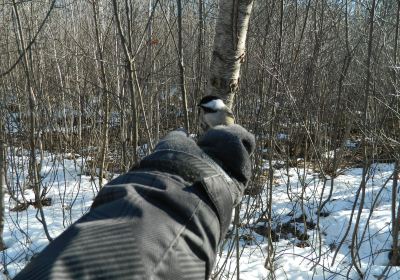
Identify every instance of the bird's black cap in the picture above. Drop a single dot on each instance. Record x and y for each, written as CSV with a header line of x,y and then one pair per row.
x,y
207,99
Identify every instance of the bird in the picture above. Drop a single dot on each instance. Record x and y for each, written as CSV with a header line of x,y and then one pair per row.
x,y
213,111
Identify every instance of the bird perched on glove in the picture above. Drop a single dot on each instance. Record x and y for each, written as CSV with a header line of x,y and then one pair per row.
x,y
213,112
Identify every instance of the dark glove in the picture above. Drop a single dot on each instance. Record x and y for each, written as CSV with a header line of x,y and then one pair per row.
x,y
231,147
226,147
178,140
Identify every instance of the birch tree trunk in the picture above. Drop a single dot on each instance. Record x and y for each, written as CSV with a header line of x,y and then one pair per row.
x,y
2,181
229,48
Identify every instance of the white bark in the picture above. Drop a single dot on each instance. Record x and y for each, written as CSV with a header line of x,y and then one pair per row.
x,y
229,48
2,182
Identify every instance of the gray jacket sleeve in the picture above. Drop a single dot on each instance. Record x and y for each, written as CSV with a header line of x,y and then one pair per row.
x,y
162,220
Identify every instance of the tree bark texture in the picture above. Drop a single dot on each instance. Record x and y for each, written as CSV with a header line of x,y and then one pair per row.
x,y
2,183
229,48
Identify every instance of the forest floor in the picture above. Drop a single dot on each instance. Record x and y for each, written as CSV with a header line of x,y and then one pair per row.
x,y
322,252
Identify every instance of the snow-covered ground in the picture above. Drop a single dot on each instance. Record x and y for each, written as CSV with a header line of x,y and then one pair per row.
x,y
71,193
320,256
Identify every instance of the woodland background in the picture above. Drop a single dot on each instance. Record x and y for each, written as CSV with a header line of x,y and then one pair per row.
x,y
319,83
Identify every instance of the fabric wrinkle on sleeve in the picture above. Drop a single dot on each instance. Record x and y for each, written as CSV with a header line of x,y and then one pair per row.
x,y
220,195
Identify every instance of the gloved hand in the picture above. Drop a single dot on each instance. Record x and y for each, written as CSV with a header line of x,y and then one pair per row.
x,y
231,147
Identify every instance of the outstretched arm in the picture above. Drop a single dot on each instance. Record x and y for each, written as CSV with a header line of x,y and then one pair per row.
x,y
162,220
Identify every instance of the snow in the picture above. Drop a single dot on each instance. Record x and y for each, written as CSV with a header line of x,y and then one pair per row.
x,y
71,193
293,261
351,145
319,257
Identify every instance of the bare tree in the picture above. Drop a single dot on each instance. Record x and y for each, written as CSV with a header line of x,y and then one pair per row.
x,y
130,57
366,160
34,136
104,89
395,217
229,48
395,260
182,67
2,177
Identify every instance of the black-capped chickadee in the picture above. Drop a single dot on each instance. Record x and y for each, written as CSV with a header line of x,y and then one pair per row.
x,y
213,112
